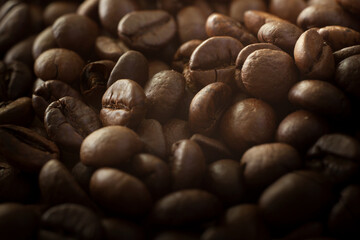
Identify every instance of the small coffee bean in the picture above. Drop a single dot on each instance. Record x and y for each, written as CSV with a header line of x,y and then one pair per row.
x,y
347,75
124,103
21,52
183,54
110,146
56,9
119,192
339,37
191,24
346,52
109,48
44,41
352,6
175,130
18,112
254,19
89,9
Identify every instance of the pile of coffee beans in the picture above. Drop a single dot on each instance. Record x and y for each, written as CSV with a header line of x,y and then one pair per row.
x,y
180,119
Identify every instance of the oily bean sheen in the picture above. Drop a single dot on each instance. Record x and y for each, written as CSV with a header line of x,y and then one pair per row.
x,y
48,92
164,92
147,30
265,163
71,221
110,146
207,107
59,64
190,206
120,192
313,56
319,97
131,65
301,129
26,149
187,164
68,121
269,74
209,63
246,123
123,103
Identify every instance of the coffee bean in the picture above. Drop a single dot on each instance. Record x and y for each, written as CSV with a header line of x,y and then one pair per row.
x,y
75,32
301,129
190,206
209,63
89,9
350,5
110,146
56,9
18,112
47,92
183,54
346,52
44,41
319,97
254,19
238,8
25,148
94,78
124,103
127,196
59,64
222,25
207,107
176,235
175,130
269,74
68,121
191,24
21,52
288,10
163,101
70,221
131,65
82,175
264,164
339,37
156,66
347,75
116,228
109,48
246,123
147,30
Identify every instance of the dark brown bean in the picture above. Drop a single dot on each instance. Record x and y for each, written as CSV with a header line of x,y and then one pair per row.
x,y
183,54
56,9
254,19
18,112
109,48
347,75
175,130
44,41
287,9
238,8
339,37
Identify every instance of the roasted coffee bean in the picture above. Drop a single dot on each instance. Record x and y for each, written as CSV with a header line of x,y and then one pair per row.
x,y
109,48
59,64
82,175
90,9
346,52
295,198
212,149
70,221
309,230
210,63
207,107
350,5
254,19
164,92
264,164
183,54
187,165
14,23
75,32
347,75
246,123
191,207
131,65
123,103
68,121
339,37
191,24
172,6
322,15
269,74
25,148
280,33
119,192
224,179
222,25
288,10
301,129
116,228
21,52
44,41
112,11
153,171
345,214
156,66
94,78
147,30
56,9
319,97
152,135
15,80
176,235
238,8
18,112
110,146
17,222
175,130
49,91
57,186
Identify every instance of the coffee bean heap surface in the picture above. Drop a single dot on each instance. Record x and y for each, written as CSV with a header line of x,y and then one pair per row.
x,y
180,119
